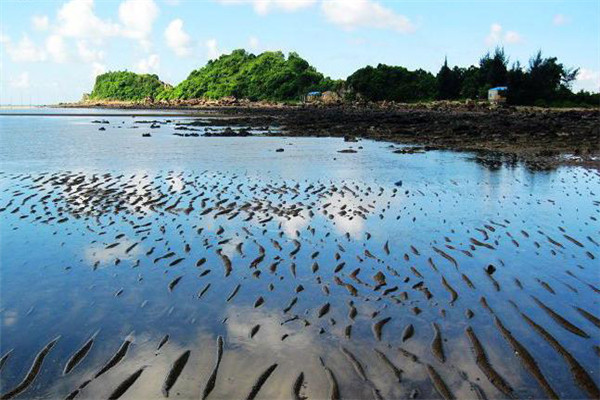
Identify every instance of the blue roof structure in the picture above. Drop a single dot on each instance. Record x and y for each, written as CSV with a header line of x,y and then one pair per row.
x,y
500,88
314,93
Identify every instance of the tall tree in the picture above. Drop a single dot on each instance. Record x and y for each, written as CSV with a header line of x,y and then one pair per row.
x,y
448,82
493,69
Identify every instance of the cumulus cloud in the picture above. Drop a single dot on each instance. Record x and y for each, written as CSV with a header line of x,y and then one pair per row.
x,y
40,22
137,17
76,18
351,14
263,7
212,49
97,69
512,37
149,65
21,81
560,19
254,43
87,54
177,39
25,50
56,48
497,36
589,79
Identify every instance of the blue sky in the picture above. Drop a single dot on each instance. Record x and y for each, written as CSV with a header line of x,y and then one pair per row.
x,y
52,50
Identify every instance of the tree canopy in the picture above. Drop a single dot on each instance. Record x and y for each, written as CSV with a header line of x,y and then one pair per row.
x,y
273,76
125,85
268,76
392,83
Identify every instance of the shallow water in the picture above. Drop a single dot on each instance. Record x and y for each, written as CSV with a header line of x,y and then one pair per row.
x,y
75,200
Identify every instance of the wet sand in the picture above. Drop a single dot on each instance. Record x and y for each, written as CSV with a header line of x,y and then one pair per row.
x,y
542,137
233,283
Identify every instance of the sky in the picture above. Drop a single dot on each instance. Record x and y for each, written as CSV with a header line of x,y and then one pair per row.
x,y
52,50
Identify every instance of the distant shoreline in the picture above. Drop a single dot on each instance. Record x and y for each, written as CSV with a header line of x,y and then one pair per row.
x,y
542,137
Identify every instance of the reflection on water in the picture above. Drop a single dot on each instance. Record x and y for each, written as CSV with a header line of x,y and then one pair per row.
x,y
133,237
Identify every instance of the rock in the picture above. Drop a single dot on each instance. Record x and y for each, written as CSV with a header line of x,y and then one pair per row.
x,y
280,150
347,151
490,269
409,150
146,135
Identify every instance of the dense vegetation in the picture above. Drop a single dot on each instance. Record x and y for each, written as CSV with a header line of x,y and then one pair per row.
x,y
392,83
544,82
268,76
125,85
272,76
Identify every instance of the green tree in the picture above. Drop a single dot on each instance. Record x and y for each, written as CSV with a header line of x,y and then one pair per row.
x,y
492,70
125,85
517,84
448,82
546,79
268,76
470,83
392,83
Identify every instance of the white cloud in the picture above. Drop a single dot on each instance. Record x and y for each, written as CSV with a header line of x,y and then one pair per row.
x,y
588,79
88,55
97,69
512,37
21,81
137,17
560,19
25,51
351,14
40,22
77,19
177,39
263,7
56,48
212,49
496,36
254,43
149,65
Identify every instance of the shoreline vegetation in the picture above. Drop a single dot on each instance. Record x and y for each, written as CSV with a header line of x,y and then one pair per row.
x,y
384,103
273,77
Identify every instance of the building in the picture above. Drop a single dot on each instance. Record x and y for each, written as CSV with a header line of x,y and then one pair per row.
x,y
497,95
312,96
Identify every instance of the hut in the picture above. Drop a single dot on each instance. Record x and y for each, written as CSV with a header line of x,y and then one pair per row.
x,y
497,95
312,96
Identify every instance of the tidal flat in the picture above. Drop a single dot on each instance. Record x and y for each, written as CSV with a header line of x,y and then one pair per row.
x,y
153,256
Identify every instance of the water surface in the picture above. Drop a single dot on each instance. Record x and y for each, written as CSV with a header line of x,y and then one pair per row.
x,y
93,221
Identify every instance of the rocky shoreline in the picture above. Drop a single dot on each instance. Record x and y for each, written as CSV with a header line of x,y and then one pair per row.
x,y
542,138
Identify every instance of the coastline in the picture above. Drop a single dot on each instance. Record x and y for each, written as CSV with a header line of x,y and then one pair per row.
x,y
541,137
